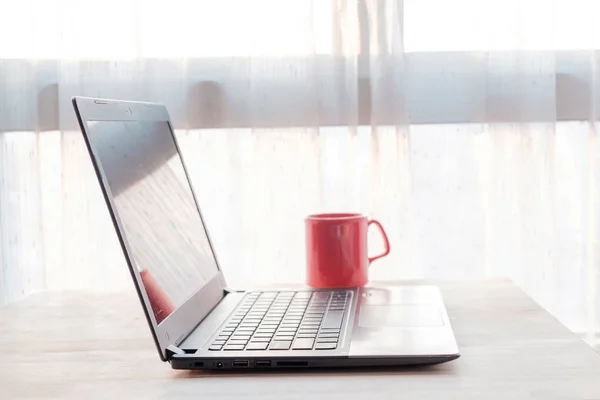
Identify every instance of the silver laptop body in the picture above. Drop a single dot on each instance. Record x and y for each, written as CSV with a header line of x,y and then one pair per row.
x,y
195,320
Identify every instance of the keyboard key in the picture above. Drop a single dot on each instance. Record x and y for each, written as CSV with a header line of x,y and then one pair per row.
x,y
307,335
233,347
325,346
215,347
280,345
309,328
261,339
303,344
333,320
246,328
268,325
313,319
266,332
329,335
263,335
241,337
257,346
234,341
298,306
326,340
284,337
309,325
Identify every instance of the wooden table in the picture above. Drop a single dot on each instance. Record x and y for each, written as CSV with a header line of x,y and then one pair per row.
x,y
85,346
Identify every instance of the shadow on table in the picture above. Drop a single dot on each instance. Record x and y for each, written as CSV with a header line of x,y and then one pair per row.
x,y
439,369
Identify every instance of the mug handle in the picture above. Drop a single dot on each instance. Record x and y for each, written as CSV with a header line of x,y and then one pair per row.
x,y
385,240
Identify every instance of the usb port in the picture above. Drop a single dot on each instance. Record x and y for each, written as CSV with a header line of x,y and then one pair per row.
x,y
262,363
240,364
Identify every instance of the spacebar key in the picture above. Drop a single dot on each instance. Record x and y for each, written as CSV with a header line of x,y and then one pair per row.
x,y
333,320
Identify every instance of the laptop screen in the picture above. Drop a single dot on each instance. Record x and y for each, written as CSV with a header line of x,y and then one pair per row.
x,y
155,205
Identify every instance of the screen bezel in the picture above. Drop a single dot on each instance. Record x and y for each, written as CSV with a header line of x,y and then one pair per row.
x,y
177,326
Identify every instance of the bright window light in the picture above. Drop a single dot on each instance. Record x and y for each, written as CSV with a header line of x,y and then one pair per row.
x,y
126,29
500,25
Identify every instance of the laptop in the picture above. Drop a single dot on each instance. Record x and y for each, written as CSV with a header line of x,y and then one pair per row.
x,y
196,320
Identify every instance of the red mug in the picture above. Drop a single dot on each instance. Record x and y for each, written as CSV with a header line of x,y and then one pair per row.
x,y
337,250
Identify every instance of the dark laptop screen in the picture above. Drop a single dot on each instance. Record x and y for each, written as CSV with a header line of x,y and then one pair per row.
x,y
156,208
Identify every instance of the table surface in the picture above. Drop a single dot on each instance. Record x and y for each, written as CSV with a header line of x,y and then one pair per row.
x,y
94,345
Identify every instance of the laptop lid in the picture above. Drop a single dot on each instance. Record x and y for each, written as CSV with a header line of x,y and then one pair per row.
x,y
155,213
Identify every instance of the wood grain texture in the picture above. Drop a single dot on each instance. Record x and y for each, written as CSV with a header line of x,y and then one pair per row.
x,y
95,345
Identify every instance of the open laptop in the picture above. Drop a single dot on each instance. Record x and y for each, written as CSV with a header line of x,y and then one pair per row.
x,y
196,321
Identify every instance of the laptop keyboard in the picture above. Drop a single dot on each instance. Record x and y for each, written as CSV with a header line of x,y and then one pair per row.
x,y
285,321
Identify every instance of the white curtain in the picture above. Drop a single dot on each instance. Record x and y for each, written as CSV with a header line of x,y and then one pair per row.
x,y
467,127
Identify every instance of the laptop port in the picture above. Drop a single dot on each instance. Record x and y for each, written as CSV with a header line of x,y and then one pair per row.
x,y
262,363
292,363
240,364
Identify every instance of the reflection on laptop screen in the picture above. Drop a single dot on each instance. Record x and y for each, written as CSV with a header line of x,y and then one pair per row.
x,y
156,208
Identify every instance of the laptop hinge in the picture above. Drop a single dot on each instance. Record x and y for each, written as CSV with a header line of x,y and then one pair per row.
x,y
227,290
171,350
